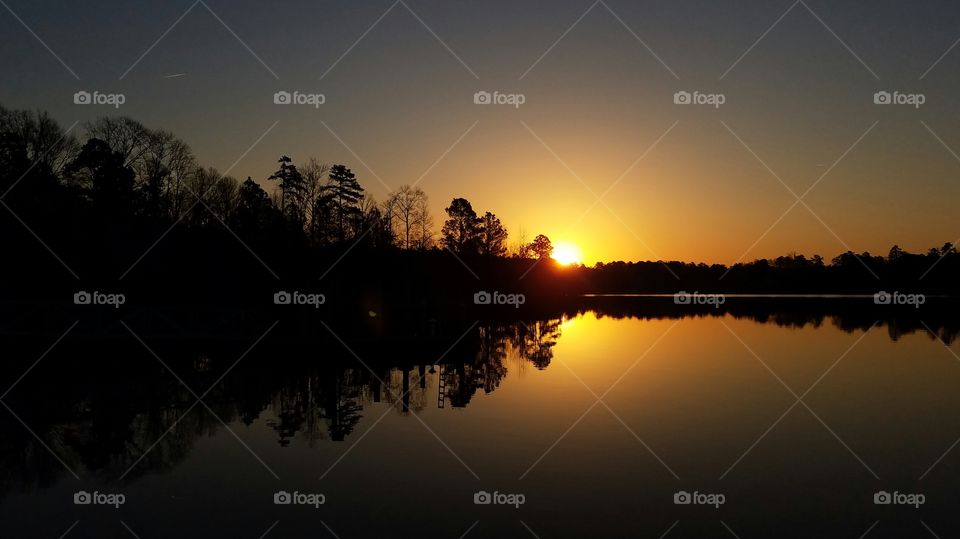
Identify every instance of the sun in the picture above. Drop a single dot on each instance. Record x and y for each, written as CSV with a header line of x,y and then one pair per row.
x,y
567,253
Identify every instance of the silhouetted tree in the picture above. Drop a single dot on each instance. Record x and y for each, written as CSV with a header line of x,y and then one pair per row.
x,y
404,212
162,172
346,193
42,140
221,199
323,224
254,213
371,225
423,223
13,160
461,229
541,247
895,253
33,150
848,258
292,190
316,185
492,237
123,135
101,174
201,186
161,162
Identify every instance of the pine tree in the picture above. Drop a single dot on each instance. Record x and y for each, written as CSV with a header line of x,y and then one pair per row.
x,y
347,193
292,189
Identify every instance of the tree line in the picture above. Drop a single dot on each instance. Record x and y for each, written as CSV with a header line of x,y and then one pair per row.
x,y
123,172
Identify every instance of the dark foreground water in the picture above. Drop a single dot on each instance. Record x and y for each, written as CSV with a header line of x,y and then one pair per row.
x,y
581,426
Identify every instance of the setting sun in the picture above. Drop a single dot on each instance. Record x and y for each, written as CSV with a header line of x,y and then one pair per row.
x,y
567,253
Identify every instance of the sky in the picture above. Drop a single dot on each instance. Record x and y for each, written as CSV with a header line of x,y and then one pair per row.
x,y
598,154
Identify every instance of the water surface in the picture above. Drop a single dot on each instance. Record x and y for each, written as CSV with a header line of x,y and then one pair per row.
x,y
597,421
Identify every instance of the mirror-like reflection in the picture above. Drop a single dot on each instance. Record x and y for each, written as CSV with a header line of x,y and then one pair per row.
x,y
101,414
112,412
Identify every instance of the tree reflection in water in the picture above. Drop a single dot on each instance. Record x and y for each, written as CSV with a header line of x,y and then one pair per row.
x,y
103,412
102,418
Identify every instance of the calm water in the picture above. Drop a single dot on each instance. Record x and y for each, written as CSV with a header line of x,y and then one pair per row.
x,y
704,404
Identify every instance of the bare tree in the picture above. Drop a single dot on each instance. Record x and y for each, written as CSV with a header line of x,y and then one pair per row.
x,y
407,215
162,171
203,185
45,142
423,223
370,224
314,175
124,135
521,248
163,164
388,211
222,198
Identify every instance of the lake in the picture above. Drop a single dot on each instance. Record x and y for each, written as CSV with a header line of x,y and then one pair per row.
x,y
705,424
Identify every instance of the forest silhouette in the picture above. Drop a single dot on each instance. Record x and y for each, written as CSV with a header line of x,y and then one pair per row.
x,y
130,209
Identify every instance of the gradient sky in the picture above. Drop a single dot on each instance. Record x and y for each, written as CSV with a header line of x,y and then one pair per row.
x,y
598,100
